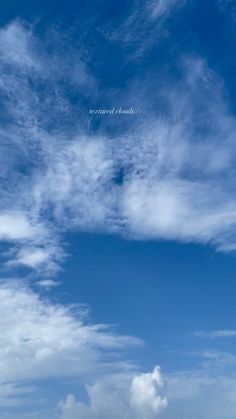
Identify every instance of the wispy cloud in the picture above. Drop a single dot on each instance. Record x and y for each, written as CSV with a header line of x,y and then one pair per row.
x,y
215,334
48,283
202,390
200,394
161,8
151,16
172,185
41,340
177,183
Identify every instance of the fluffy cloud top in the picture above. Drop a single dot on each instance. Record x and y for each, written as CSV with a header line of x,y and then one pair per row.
x,y
144,394
43,341
135,398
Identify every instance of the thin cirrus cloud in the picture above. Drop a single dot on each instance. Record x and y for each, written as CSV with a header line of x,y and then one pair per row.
x,y
161,8
215,334
151,15
201,394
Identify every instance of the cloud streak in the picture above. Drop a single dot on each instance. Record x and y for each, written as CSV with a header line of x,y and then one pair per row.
x,y
215,334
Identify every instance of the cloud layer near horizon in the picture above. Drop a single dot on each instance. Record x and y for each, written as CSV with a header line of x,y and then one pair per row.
x,y
42,341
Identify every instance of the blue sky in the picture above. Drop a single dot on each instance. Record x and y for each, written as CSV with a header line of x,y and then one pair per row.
x,y
118,209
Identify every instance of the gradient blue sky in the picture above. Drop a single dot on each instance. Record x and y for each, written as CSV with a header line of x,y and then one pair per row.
x,y
118,231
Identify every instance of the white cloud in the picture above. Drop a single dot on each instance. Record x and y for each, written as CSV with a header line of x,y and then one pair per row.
x,y
178,184
32,257
18,46
119,397
76,183
17,226
173,185
200,394
144,394
160,8
214,334
151,16
48,283
177,209
218,360
40,340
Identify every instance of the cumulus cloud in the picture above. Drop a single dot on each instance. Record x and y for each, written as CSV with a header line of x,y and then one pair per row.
x,y
144,394
122,397
43,341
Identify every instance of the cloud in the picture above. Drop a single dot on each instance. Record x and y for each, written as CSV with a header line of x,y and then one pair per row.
x,y
17,46
207,391
144,394
17,226
173,184
216,334
229,7
32,257
48,283
41,340
200,394
170,176
160,8
153,16
133,398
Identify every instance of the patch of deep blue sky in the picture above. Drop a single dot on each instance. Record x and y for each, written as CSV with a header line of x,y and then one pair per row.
x,y
159,291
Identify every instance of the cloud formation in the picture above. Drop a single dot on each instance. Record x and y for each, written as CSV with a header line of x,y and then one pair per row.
x,y
144,394
170,176
207,391
214,334
41,340
161,8
172,184
119,398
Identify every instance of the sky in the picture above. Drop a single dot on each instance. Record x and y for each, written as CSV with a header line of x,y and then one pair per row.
x,y
118,209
